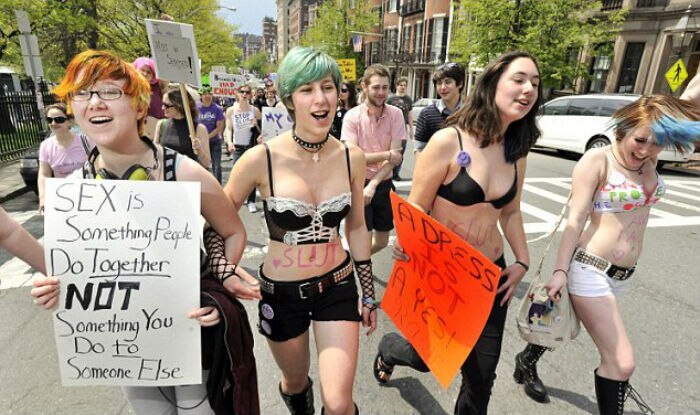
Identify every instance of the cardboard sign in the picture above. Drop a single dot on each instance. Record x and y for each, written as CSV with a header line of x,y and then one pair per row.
x,y
441,298
275,121
224,84
174,51
347,69
127,255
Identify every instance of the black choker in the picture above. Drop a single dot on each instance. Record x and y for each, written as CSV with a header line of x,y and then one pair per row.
x,y
310,147
639,171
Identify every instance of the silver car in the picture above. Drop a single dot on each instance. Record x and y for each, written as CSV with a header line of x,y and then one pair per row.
x,y
419,105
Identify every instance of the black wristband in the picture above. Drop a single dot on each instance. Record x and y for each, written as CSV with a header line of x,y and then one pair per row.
x,y
522,264
562,270
230,273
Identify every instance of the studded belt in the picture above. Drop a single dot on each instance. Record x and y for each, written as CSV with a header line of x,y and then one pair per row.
x,y
306,288
611,270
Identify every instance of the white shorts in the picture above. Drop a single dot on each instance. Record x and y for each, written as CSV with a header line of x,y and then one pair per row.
x,y
587,281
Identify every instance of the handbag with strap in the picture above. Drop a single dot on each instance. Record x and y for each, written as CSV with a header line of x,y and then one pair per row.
x,y
542,321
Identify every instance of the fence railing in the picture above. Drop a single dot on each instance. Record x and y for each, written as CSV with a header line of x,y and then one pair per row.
x,y
20,123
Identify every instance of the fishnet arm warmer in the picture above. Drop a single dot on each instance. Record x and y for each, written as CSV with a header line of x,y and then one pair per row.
x,y
364,273
219,266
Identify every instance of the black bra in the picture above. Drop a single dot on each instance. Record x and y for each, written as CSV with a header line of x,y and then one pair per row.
x,y
295,222
465,191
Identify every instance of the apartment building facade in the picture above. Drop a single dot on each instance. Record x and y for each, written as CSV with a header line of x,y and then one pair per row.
x,y
269,34
654,35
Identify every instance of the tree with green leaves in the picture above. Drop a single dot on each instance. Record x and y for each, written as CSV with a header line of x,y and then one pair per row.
x,y
554,31
335,22
65,28
258,63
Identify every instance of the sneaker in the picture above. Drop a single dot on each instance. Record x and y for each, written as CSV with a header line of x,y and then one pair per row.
x,y
252,208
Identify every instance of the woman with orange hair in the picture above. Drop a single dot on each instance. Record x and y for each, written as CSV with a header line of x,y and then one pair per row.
x,y
110,100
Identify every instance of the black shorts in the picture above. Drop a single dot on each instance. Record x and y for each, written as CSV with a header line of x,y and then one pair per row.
x,y
378,215
284,317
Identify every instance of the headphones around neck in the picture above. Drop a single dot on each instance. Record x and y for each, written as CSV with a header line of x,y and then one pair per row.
x,y
135,172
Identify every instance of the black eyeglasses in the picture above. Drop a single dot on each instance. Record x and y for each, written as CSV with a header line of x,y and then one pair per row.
x,y
244,92
107,94
343,90
57,120
166,105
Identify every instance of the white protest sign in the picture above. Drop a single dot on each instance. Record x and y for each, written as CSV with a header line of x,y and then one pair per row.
x,y
224,84
127,255
174,51
275,121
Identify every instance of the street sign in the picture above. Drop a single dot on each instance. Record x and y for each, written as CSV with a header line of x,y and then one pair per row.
x,y
30,47
174,51
676,75
347,69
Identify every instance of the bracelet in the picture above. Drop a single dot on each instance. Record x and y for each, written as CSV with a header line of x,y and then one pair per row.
x,y
230,273
562,270
522,264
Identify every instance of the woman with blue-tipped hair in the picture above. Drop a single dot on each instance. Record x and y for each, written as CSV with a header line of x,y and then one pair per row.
x,y
309,184
615,187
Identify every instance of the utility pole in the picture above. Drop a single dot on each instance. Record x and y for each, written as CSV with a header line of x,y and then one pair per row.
x,y
31,56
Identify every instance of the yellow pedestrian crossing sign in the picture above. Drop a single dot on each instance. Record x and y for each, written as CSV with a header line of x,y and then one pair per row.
x,y
676,75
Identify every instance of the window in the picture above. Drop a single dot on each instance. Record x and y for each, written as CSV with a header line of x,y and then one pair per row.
x,y
406,42
437,39
600,65
418,41
630,67
391,5
584,106
609,106
556,107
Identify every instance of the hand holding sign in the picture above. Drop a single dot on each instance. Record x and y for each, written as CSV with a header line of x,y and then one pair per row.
x,y
441,297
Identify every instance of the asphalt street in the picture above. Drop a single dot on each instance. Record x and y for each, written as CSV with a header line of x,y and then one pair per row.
x,y
661,315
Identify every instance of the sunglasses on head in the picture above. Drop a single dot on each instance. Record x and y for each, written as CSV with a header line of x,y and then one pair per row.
x,y
57,120
449,65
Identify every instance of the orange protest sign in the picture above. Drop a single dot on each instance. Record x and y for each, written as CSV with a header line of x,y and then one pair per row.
x,y
441,298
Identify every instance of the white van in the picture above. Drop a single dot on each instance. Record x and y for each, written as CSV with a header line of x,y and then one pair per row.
x,y
579,122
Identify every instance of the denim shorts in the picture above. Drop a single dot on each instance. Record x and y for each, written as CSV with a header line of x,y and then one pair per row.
x,y
282,318
588,281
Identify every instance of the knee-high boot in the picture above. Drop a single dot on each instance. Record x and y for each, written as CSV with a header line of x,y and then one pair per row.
x,y
610,395
301,403
526,372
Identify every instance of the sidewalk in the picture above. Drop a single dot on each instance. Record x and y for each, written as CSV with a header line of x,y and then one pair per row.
x,y
11,183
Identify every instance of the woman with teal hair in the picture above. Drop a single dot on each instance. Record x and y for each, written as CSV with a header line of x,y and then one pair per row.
x,y
309,184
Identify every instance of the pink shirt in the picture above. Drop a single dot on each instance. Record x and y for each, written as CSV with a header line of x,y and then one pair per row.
x,y
63,160
373,135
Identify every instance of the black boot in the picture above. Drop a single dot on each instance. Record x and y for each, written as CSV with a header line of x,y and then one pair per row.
x,y
357,410
610,395
526,372
301,403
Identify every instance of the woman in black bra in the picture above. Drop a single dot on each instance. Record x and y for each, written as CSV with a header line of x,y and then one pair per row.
x,y
309,184
470,178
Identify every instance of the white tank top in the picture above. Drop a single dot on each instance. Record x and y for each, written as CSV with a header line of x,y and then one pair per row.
x,y
243,121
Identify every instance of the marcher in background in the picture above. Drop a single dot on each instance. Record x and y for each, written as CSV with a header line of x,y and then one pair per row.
x,y
405,104
448,81
470,178
147,68
212,117
378,129
271,98
110,100
174,132
259,99
615,187
347,99
20,243
242,131
63,151
310,183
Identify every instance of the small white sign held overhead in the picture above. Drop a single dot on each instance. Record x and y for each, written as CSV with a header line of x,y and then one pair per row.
x,y
174,51
225,84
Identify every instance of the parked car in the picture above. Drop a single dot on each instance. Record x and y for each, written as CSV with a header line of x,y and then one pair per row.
x,y
29,168
419,105
580,122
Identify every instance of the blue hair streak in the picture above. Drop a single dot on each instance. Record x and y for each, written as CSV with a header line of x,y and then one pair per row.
x,y
669,131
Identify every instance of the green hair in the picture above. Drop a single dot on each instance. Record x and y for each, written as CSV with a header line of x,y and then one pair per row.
x,y
302,66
